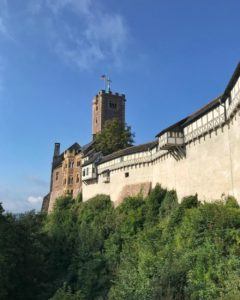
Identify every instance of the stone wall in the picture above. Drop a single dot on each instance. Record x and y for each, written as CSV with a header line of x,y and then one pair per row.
x,y
66,178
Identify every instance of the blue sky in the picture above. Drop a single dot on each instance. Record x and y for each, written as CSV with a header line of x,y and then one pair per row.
x,y
168,57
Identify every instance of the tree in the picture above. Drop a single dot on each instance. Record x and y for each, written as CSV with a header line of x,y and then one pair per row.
x,y
113,137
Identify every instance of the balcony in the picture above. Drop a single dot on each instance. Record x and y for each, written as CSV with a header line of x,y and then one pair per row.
x,y
170,140
89,172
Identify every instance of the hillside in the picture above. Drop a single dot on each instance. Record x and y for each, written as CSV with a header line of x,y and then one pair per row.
x,y
152,248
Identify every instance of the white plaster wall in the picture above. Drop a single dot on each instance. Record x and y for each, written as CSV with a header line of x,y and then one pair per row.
x,y
137,174
211,168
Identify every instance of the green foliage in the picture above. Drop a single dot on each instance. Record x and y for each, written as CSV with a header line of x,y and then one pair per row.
x,y
170,202
23,257
65,293
113,137
232,202
79,198
146,248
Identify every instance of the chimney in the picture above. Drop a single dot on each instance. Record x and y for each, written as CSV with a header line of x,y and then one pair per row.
x,y
56,150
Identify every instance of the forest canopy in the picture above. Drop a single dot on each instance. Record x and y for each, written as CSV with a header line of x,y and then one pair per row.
x,y
146,248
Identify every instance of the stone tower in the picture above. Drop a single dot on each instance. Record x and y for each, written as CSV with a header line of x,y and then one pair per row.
x,y
107,106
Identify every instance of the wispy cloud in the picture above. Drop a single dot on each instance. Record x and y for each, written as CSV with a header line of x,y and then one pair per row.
x,y
16,202
4,18
79,6
94,35
3,29
34,200
83,33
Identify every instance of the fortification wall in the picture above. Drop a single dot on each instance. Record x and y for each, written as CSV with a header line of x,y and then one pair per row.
x,y
211,168
119,185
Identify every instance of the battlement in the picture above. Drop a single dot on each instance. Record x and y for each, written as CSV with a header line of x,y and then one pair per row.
x,y
107,106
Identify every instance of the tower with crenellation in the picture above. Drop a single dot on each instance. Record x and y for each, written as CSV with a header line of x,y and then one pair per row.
x,y
107,106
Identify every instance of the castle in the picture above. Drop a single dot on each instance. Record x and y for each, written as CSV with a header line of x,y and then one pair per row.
x,y
198,154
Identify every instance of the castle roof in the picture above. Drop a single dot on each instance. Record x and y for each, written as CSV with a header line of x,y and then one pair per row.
x,y
232,82
58,160
93,159
205,109
202,111
74,146
130,150
191,118
175,127
86,149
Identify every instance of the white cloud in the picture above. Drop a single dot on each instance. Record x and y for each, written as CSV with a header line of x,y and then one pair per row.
x,y
16,200
102,37
34,200
81,32
3,29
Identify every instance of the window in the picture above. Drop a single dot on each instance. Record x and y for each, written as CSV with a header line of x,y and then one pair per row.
x,y
70,180
65,181
83,172
96,108
96,121
112,105
87,171
77,179
71,164
78,163
57,175
127,174
106,177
